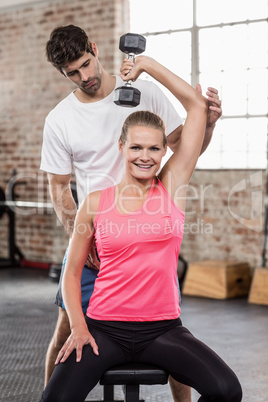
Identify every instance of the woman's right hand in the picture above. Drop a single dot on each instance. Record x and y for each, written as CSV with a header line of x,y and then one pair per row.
x,y
79,337
131,70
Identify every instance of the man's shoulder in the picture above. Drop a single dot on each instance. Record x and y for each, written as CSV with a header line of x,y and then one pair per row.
x,y
144,84
61,108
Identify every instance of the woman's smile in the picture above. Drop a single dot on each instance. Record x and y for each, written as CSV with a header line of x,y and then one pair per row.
x,y
143,166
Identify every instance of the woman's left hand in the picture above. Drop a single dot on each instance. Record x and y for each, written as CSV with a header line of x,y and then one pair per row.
x,y
79,337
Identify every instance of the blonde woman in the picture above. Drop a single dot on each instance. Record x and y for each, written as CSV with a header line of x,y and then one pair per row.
x,y
133,314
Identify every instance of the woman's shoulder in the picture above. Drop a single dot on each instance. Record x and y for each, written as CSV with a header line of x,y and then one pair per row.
x,y
95,196
92,201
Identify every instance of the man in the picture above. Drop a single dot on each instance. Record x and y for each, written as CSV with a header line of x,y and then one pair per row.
x,y
82,132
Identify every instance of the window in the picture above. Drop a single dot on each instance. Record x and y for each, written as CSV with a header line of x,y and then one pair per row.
x,y
222,44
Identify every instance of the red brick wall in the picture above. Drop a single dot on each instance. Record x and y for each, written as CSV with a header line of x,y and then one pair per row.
x,y
216,226
30,87
224,217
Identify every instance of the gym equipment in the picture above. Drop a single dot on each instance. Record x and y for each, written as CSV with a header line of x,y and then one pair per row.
x,y
217,279
15,256
2,199
127,95
11,207
131,376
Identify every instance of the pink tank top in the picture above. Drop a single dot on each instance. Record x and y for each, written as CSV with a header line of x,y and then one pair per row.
x,y
139,253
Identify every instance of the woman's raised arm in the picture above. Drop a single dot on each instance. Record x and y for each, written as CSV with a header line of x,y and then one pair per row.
x,y
177,172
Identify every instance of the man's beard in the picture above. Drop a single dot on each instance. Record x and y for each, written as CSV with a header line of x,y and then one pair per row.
x,y
94,88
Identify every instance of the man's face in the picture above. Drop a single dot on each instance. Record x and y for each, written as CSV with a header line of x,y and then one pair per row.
x,y
85,73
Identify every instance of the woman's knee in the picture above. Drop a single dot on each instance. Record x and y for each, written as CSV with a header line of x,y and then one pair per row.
x,y
230,395
56,397
50,395
235,392
230,390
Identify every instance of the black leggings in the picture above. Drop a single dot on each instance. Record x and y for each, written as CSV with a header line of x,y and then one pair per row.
x,y
166,344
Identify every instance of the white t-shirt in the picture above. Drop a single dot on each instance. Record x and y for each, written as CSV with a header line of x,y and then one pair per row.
x,y
85,135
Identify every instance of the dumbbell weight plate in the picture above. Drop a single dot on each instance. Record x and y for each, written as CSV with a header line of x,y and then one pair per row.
x,y
132,43
127,96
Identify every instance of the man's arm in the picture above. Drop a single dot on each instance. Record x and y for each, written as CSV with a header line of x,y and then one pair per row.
x,y
65,208
173,139
62,199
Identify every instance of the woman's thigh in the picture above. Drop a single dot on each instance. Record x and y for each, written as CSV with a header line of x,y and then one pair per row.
x,y
72,381
191,362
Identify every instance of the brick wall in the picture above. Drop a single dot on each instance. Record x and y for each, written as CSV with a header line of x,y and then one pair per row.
x,y
225,208
224,217
30,87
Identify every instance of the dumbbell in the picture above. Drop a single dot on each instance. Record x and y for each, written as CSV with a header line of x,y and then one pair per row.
x,y
127,95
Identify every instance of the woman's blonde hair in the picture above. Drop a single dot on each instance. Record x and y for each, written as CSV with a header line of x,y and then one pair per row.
x,y
145,119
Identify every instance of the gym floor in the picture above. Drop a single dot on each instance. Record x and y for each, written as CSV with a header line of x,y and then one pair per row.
x,y
236,330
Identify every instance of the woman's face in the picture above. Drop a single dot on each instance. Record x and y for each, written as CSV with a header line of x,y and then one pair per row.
x,y
143,151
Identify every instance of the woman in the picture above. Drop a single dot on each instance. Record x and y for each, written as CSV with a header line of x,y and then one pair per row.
x,y
133,314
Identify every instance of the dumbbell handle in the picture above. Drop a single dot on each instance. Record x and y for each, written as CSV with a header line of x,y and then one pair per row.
x,y
131,57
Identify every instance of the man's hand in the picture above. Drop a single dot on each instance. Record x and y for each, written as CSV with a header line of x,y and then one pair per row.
x,y
79,337
214,113
214,105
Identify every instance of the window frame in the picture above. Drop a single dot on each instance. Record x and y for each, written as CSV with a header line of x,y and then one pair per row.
x,y
195,78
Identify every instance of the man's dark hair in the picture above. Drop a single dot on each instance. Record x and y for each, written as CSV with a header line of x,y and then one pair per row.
x,y
67,44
